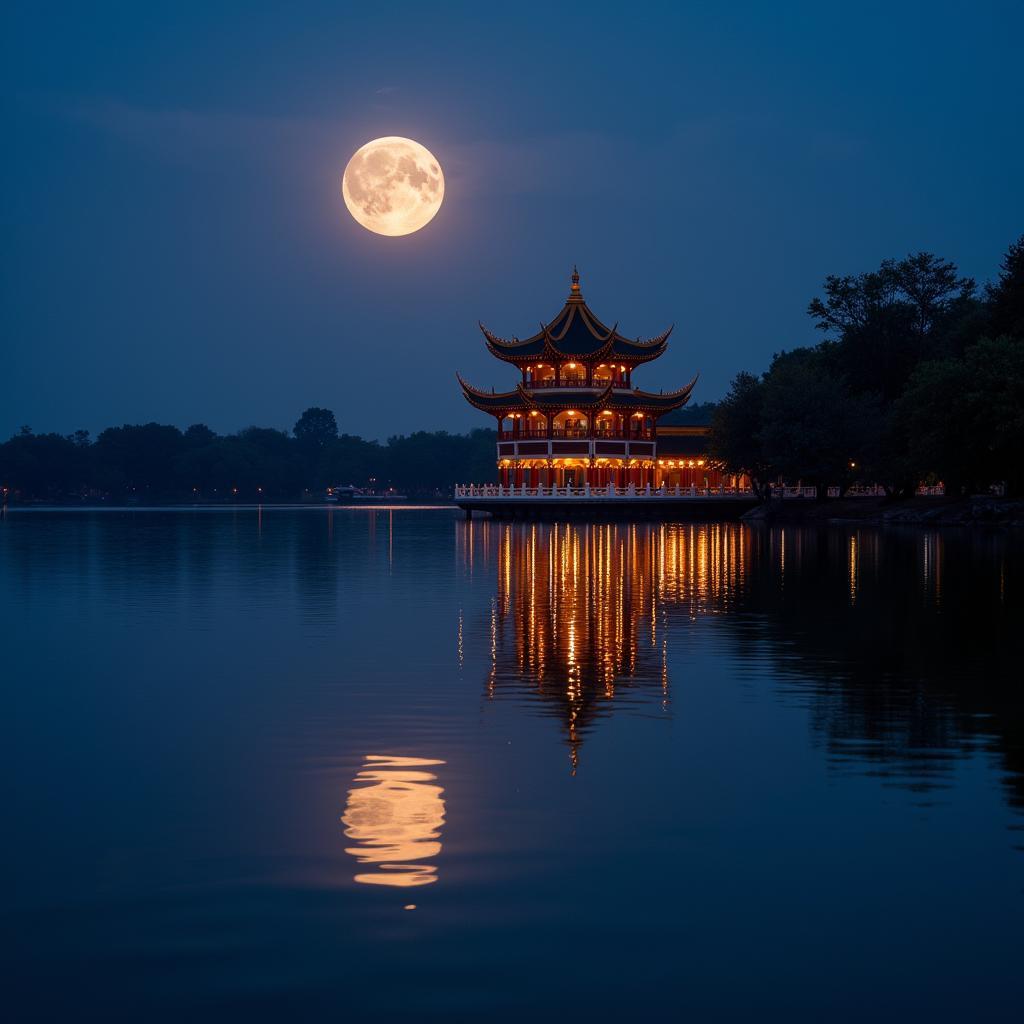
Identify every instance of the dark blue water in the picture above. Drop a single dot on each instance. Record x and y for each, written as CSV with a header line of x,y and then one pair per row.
x,y
386,765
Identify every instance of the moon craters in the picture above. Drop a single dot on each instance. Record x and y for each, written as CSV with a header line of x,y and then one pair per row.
x,y
393,186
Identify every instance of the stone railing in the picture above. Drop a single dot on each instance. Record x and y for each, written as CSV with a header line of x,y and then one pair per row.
x,y
586,491
878,491
582,432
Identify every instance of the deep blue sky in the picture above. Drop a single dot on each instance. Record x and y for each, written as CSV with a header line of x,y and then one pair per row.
x,y
176,247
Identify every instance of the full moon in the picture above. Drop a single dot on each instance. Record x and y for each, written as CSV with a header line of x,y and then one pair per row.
x,y
393,186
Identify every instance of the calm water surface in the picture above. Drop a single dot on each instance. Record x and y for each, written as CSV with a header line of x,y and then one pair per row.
x,y
385,764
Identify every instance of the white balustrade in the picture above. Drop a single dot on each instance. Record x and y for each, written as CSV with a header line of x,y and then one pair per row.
x,y
646,492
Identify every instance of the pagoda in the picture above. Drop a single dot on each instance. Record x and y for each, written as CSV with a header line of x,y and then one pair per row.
x,y
575,419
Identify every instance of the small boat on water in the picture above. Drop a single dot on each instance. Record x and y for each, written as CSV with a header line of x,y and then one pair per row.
x,y
349,493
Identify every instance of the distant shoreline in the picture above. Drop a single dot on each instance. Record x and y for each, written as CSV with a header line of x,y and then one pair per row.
x,y
217,506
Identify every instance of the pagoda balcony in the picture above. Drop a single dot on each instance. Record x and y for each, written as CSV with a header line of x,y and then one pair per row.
x,y
620,446
576,383
561,432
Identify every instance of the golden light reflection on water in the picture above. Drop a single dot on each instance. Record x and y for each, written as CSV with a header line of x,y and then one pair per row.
x,y
394,814
583,620
579,612
852,562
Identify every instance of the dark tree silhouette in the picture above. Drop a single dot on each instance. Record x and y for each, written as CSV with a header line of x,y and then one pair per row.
x,y
966,416
907,388
316,428
885,321
1006,296
813,429
199,434
158,462
736,427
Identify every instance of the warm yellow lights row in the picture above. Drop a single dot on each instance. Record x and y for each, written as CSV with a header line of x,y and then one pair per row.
x,y
667,463
569,412
572,463
572,366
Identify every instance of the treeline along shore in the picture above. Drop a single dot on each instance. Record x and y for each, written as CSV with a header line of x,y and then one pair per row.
x,y
919,379
156,462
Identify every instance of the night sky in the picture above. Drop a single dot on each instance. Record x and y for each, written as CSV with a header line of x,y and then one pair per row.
x,y
176,247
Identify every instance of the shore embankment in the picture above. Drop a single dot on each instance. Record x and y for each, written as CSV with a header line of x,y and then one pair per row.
x,y
979,510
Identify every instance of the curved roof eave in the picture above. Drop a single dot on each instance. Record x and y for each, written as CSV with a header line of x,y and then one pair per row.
x,y
662,402
491,401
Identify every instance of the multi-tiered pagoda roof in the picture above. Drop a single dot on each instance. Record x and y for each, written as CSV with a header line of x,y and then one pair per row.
x,y
576,335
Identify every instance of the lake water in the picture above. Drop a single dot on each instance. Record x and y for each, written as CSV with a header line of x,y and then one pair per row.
x,y
377,764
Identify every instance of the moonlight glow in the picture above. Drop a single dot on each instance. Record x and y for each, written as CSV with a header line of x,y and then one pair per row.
x,y
393,186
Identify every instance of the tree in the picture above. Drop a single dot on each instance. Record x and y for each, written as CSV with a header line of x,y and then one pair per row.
x,y
199,434
270,457
736,426
315,428
44,466
964,418
995,414
430,462
887,320
1006,296
140,458
813,429
928,286
351,460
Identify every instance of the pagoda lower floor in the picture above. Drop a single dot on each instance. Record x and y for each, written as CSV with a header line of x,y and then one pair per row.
x,y
677,456
656,473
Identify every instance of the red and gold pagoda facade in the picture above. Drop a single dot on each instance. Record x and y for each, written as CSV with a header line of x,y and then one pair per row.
x,y
575,419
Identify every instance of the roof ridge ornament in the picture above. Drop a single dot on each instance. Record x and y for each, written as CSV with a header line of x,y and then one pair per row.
x,y
574,290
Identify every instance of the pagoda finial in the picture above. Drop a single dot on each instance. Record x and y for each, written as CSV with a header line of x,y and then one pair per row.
x,y
574,291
